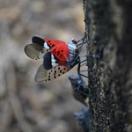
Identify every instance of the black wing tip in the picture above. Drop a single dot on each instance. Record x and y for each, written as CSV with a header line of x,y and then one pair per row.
x,y
38,40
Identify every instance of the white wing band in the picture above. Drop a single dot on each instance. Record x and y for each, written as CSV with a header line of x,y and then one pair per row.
x,y
46,46
53,61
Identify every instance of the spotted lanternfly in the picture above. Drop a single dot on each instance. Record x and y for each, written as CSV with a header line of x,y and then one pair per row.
x,y
58,57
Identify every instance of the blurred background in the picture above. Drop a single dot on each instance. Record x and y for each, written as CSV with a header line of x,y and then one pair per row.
x,y
26,106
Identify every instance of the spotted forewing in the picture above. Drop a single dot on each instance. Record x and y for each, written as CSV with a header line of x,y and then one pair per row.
x,y
44,75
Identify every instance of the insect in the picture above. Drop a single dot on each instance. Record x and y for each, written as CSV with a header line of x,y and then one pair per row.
x,y
58,57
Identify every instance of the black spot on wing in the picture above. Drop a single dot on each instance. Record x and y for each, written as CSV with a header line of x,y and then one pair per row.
x,y
50,44
58,74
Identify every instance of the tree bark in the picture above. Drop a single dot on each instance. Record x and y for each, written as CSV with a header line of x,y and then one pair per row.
x,y
109,44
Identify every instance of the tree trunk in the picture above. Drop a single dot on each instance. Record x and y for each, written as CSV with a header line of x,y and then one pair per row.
x,y
109,44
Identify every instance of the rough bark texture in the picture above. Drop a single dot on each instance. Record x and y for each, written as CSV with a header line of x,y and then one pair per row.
x,y
109,37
